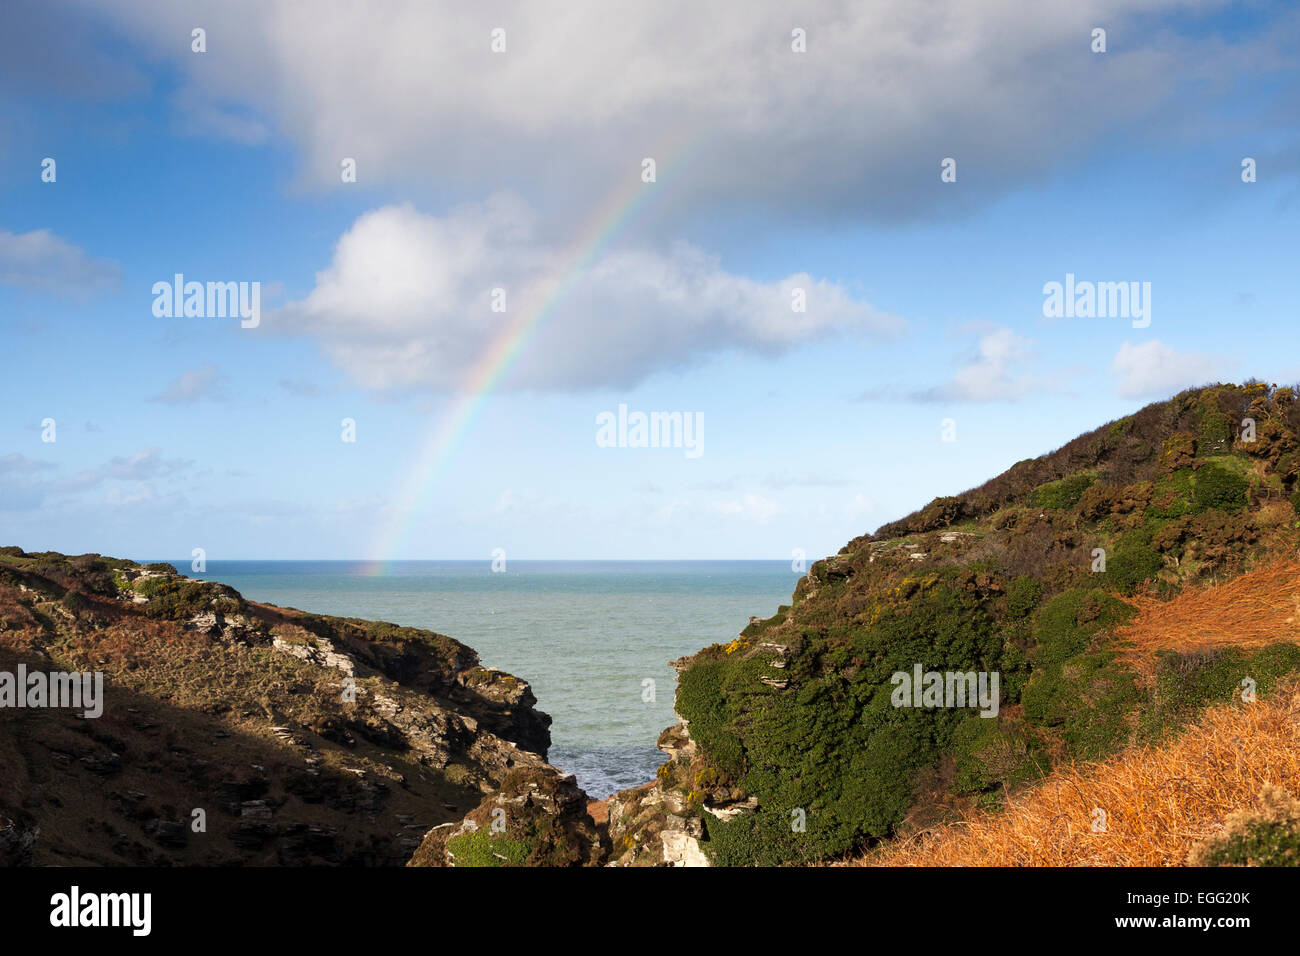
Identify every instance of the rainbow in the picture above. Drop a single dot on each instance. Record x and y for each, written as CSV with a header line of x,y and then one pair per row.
x,y
610,219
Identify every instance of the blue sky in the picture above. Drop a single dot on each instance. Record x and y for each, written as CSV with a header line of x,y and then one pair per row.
x,y
476,170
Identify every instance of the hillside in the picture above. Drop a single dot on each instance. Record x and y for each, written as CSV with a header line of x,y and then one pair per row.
x,y
1220,792
793,745
234,732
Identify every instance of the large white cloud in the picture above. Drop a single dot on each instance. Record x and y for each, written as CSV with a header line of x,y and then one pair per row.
x,y
855,126
407,302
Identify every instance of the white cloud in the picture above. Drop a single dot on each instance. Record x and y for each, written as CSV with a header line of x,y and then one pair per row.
x,y
300,387
585,90
23,487
41,260
144,465
1154,370
783,480
995,370
406,303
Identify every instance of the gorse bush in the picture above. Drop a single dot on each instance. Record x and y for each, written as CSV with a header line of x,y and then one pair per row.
x,y
1187,682
1064,493
988,754
1133,563
1215,434
1217,487
1023,596
1171,496
835,747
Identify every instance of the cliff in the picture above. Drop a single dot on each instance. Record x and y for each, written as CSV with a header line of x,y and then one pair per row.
x,y
234,732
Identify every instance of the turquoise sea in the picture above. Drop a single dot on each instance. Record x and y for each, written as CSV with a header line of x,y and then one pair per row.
x,y
585,634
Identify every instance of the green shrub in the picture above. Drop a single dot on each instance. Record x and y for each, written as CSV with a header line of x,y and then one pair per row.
x,y
832,744
1258,844
75,602
177,599
1217,487
1023,595
1185,683
1267,836
1133,562
1215,436
1077,688
1171,496
1087,699
1064,493
990,753
700,700
1065,625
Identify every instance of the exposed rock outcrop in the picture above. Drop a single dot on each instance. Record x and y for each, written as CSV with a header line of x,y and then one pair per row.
x,y
537,816
235,732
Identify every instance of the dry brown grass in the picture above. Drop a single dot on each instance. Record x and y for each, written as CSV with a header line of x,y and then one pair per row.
x,y
1159,801
1259,607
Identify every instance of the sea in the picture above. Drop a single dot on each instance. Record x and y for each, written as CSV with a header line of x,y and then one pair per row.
x,y
594,638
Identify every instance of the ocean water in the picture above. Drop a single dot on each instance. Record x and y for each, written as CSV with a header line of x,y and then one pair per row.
x,y
586,634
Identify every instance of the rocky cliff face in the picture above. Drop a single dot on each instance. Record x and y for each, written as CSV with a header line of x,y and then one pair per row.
x,y
535,817
235,732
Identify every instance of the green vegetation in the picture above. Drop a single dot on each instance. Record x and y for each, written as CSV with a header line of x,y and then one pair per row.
x,y
1215,435
996,754
1064,493
797,711
1217,487
1187,682
1077,688
178,599
1023,596
1265,843
1267,836
836,749
483,848
1133,563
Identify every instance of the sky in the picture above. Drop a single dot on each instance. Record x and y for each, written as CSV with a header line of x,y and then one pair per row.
x,y
836,268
